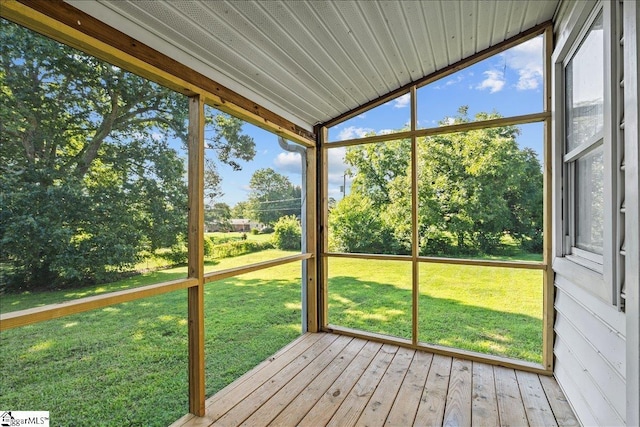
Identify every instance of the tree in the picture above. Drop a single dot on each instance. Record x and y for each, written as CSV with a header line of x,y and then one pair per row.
x,y
479,185
90,171
218,215
355,226
375,166
272,196
287,233
474,188
241,210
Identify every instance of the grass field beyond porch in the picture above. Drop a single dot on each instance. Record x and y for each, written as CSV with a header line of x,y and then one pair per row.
x,y
127,364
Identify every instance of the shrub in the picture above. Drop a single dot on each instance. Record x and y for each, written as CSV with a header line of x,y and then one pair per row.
x,y
287,233
255,231
267,230
231,249
178,253
208,247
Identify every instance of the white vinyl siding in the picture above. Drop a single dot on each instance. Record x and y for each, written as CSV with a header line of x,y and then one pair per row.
x,y
596,327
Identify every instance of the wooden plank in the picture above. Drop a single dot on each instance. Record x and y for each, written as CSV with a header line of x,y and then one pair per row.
x,y
195,266
236,271
458,409
559,405
311,232
280,400
535,402
443,130
308,397
510,407
484,409
267,368
432,402
548,289
226,399
249,402
323,228
378,407
437,349
352,406
87,33
404,409
331,400
53,311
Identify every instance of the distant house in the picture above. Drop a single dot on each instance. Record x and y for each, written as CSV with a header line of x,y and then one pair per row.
x,y
245,225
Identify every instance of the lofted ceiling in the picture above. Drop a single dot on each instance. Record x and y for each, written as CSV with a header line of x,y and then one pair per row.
x,y
309,60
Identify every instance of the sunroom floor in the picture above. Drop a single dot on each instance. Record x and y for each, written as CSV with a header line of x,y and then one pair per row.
x,y
328,379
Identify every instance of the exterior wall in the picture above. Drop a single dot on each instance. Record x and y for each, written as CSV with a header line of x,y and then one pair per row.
x,y
596,344
590,354
632,197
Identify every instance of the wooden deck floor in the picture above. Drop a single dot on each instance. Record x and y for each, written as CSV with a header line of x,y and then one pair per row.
x,y
327,379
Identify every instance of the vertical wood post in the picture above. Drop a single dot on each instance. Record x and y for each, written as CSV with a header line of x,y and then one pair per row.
x,y
312,246
322,159
196,255
415,218
548,310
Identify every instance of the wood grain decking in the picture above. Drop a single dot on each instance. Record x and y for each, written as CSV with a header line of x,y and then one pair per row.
x,y
328,379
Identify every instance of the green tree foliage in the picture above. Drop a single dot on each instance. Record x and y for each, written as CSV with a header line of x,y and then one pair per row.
x,y
241,210
287,233
356,226
89,174
272,196
219,216
474,188
374,166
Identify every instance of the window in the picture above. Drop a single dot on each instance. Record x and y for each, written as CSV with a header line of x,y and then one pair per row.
x,y
584,149
593,155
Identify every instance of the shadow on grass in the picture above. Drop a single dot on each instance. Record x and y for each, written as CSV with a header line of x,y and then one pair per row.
x,y
384,308
123,362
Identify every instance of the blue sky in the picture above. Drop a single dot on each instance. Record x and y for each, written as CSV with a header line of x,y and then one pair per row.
x,y
510,83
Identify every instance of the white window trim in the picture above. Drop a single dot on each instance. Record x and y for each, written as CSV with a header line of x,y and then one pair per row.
x,y
569,260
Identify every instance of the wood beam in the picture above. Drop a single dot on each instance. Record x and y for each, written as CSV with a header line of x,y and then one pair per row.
x,y
30,316
548,287
66,24
464,63
196,255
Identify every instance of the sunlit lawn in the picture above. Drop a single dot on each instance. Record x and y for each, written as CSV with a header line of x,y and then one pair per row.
x,y
127,364
486,309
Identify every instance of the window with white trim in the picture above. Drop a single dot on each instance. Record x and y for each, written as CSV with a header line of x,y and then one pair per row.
x,y
584,149
592,158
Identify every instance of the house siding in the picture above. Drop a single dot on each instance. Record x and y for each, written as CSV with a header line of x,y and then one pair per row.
x,y
590,354
595,344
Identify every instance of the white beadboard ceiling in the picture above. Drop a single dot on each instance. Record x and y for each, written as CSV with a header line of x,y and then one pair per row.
x,y
310,60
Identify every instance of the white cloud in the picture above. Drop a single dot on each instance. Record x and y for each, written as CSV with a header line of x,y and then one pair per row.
x,y
362,116
337,168
288,162
402,101
526,60
352,132
494,81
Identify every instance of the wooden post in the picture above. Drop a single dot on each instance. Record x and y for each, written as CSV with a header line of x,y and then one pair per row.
x,y
196,256
312,246
322,229
548,310
415,218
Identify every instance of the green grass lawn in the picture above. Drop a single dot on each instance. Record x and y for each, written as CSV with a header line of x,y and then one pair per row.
x,y
127,364
24,300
